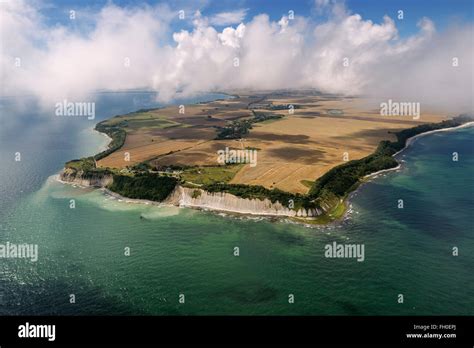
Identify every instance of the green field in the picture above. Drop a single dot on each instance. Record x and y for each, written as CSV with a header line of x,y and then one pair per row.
x,y
210,175
307,183
138,120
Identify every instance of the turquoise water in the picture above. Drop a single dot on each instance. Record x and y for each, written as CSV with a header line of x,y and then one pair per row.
x,y
182,251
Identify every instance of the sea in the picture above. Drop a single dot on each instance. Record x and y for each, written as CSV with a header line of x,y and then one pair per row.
x,y
105,256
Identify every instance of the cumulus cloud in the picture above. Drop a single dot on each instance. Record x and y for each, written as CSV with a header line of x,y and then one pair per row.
x,y
131,48
120,53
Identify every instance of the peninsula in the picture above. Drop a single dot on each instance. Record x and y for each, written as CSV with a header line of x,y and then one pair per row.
x,y
307,152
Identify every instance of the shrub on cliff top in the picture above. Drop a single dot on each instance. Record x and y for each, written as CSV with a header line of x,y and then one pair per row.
x,y
148,186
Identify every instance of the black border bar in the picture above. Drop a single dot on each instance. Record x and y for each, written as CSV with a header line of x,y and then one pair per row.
x,y
242,329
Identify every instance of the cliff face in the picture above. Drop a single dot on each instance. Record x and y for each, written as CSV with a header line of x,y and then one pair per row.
x,y
222,201
71,176
196,198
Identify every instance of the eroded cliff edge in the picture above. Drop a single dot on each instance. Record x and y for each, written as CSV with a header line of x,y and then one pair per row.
x,y
72,176
198,198
223,201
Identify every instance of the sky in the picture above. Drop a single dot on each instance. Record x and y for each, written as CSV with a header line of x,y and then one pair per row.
x,y
67,49
443,12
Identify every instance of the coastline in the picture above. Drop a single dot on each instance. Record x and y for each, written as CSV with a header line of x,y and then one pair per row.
x,y
413,138
106,146
227,212
296,219
108,193
410,141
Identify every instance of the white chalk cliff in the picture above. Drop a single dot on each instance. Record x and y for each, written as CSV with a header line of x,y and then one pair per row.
x,y
70,176
222,201
197,198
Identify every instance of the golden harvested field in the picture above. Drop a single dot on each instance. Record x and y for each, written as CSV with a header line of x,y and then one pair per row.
x,y
321,133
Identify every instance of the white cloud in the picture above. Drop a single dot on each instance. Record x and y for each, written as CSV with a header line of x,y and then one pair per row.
x,y
228,18
58,62
61,63
231,37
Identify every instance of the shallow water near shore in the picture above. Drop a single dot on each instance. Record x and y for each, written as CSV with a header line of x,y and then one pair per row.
x,y
172,251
